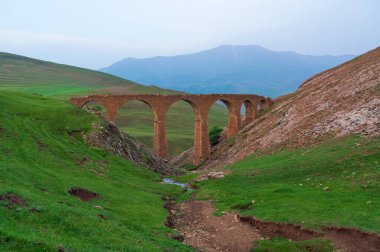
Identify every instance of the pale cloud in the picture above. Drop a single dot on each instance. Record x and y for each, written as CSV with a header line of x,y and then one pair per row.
x,y
27,37
96,33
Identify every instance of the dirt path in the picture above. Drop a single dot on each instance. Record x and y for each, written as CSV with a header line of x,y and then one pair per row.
x,y
206,232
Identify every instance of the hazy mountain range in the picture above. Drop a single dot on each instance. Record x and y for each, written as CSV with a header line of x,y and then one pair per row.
x,y
227,69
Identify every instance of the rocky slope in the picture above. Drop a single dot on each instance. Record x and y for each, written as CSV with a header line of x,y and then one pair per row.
x,y
340,101
108,137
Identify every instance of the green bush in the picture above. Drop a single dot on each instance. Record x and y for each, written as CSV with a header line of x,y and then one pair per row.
x,y
214,135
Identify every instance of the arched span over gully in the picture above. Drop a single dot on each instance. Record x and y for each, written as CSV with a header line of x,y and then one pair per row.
x,y
201,104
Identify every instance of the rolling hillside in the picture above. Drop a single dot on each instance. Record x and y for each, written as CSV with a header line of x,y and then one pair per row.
x,y
51,79
43,161
29,75
227,69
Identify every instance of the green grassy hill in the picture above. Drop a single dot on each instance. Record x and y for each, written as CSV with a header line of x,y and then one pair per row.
x,y
41,159
336,183
51,79
29,75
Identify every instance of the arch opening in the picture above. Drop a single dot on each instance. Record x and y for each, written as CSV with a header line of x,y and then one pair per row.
x,y
95,108
180,119
217,119
136,119
248,112
261,105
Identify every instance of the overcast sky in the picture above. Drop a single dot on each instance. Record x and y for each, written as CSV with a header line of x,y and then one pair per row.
x,y
96,33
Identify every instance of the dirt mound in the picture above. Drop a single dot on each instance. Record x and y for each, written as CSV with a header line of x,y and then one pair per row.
x,y
335,103
13,200
83,194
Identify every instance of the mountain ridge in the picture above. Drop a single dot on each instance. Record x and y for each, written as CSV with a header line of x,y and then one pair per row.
x,y
228,69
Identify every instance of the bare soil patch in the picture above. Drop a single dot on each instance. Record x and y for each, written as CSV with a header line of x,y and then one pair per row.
x,y
102,216
75,133
272,229
86,162
83,194
83,161
13,200
352,240
171,207
206,232
41,145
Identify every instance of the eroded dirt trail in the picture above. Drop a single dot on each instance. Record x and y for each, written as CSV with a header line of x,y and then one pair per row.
x,y
206,232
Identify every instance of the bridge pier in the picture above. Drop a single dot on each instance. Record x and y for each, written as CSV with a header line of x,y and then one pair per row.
x,y
160,144
111,114
234,118
202,148
111,108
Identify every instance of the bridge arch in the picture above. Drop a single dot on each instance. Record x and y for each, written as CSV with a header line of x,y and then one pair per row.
x,y
83,104
96,108
217,123
261,105
249,109
180,120
137,119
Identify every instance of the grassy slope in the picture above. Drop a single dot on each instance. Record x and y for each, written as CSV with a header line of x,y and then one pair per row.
x,y
61,81
285,245
290,186
39,161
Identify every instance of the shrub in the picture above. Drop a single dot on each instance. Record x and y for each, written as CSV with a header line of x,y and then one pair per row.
x,y
214,135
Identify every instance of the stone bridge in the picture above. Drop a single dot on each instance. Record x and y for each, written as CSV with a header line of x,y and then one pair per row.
x,y
201,104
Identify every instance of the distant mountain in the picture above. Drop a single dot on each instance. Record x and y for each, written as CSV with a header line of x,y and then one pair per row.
x,y
227,69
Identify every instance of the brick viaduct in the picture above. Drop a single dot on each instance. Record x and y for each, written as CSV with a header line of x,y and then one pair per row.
x,y
160,103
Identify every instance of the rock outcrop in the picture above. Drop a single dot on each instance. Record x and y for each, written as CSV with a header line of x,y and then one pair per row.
x,y
108,137
341,101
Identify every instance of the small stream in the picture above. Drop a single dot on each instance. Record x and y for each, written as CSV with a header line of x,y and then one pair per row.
x,y
172,182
